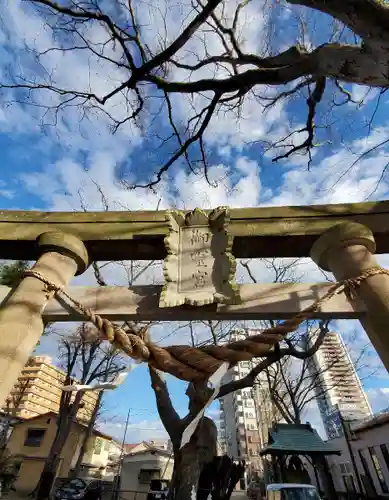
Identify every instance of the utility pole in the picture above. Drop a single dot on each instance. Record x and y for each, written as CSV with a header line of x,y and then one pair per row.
x,y
116,486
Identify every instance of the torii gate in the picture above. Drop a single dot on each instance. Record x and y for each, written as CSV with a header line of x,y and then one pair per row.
x,y
339,238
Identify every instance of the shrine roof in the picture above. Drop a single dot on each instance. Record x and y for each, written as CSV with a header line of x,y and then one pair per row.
x,y
299,439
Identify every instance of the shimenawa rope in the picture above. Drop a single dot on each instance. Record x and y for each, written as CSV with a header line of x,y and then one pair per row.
x,y
198,363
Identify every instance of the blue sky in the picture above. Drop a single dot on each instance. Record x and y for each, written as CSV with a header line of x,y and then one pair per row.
x,y
57,167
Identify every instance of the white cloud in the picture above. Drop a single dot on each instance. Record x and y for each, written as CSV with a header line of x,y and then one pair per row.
x,y
64,184
379,398
75,129
335,179
194,190
144,430
363,93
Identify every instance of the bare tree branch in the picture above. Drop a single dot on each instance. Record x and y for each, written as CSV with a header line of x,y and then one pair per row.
x,y
148,75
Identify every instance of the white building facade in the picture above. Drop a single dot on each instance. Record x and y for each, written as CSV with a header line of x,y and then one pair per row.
x,y
339,386
245,416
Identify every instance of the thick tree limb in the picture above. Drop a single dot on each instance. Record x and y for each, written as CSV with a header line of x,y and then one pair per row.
x,y
249,379
273,357
170,419
350,63
366,18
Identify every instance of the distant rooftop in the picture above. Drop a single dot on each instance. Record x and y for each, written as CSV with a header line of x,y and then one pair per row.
x,y
380,418
41,359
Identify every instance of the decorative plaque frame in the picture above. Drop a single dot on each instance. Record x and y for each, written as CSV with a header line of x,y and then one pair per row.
x,y
199,268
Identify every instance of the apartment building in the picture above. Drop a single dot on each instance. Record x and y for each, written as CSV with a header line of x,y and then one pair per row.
x,y
38,391
339,385
245,415
267,413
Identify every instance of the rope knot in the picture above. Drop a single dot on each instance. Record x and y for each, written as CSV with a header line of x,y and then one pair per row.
x,y
50,286
350,287
130,342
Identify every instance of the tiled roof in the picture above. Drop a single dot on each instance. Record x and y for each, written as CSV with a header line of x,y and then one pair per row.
x,y
297,438
128,447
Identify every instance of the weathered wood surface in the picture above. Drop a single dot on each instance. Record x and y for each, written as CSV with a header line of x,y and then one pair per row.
x,y
259,301
258,232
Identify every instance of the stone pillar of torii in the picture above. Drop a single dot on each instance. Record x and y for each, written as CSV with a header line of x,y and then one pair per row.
x,y
62,256
347,250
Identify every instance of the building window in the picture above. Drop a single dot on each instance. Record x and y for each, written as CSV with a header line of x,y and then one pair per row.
x,y
345,468
385,453
366,477
34,437
348,481
98,446
378,470
147,475
346,473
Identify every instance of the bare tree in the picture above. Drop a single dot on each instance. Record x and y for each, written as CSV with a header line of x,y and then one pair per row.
x,y
12,272
293,384
86,359
110,364
12,404
211,67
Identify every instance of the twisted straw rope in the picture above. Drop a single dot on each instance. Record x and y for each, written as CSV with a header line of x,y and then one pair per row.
x,y
199,363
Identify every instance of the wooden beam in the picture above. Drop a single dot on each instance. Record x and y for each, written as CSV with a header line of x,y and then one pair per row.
x,y
260,301
258,232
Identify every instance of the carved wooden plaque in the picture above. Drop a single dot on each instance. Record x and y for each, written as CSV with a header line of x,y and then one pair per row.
x,y
199,268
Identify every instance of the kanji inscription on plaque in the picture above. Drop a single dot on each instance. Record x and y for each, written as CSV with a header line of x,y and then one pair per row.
x,y
199,268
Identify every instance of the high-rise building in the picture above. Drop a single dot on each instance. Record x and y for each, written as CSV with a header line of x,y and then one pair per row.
x,y
245,415
38,390
338,384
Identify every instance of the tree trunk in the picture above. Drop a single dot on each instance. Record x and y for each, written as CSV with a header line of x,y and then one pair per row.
x,y
297,415
64,425
186,474
87,435
189,461
48,475
85,438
